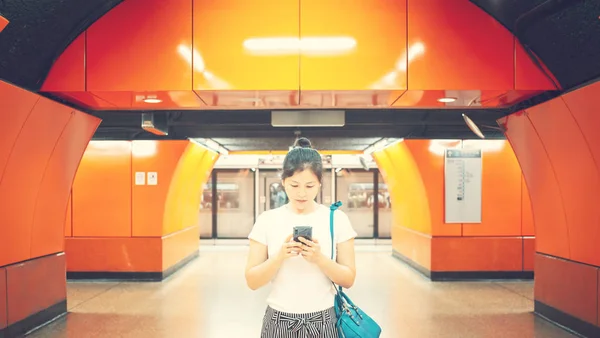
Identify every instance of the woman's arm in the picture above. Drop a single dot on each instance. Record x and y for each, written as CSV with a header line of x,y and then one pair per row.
x,y
259,268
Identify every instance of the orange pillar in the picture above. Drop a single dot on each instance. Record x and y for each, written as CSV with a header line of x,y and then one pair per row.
x,y
40,148
558,147
501,246
135,209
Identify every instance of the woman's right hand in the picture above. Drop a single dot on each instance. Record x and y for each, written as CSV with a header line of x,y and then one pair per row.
x,y
289,249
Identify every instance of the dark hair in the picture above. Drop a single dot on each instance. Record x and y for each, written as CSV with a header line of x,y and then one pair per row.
x,y
302,157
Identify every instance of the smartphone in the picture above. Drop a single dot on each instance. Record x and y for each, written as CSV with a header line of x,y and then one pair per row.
x,y
302,231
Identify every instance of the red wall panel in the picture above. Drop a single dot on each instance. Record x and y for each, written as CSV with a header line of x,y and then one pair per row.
x,y
476,254
583,105
3,23
148,201
501,186
578,192
34,286
527,75
102,191
53,196
431,168
16,105
137,47
68,72
23,175
527,224
373,45
548,212
568,286
220,31
464,48
69,217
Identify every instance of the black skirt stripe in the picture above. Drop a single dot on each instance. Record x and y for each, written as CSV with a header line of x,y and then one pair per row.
x,y
277,324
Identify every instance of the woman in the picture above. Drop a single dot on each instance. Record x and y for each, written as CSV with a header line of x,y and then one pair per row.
x,y
301,300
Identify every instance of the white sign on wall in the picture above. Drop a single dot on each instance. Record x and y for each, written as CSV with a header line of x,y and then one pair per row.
x,y
140,178
462,180
152,178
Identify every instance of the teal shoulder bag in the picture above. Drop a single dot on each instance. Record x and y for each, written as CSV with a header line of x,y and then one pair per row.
x,y
352,322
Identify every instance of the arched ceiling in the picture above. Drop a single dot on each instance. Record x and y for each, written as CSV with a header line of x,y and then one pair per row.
x,y
38,32
565,34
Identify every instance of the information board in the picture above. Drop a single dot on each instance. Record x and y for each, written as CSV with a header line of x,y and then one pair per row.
x,y
462,180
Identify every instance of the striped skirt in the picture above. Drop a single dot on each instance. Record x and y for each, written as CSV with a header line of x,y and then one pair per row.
x,y
277,324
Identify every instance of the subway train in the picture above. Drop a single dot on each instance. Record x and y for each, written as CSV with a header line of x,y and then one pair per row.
x,y
241,187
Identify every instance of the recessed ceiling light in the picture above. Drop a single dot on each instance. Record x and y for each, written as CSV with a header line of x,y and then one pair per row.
x,y
447,99
152,100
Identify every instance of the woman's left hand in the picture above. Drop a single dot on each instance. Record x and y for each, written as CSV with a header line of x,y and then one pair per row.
x,y
311,250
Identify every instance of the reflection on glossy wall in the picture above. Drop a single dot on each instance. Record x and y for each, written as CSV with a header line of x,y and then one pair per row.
x,y
279,54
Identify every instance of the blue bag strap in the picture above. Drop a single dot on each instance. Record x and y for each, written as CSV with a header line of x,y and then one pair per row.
x,y
333,208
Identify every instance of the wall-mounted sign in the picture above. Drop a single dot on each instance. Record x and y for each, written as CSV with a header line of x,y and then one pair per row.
x,y
140,178
462,180
152,178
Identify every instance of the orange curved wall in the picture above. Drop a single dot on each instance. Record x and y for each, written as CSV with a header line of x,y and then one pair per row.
x,y
40,148
201,62
118,225
503,241
558,147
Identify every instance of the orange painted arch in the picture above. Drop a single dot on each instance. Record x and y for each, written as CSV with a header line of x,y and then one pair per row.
x,y
137,226
558,148
562,172
414,173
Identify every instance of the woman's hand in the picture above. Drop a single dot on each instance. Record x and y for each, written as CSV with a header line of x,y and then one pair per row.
x,y
289,249
311,250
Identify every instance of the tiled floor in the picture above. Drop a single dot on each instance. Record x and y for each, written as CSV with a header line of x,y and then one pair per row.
x,y
209,299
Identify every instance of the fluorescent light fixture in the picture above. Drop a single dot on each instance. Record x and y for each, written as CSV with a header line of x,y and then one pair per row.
x,y
381,145
438,147
152,100
144,148
484,145
210,145
447,99
325,45
473,126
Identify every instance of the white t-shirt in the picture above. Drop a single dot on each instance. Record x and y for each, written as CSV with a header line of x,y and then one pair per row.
x,y
299,286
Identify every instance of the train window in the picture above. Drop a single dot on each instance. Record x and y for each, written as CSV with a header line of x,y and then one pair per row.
x,y
228,195
383,199
206,197
362,196
277,195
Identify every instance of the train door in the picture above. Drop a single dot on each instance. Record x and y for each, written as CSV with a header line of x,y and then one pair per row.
x,y
205,214
355,190
235,203
384,212
271,193
366,202
227,204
